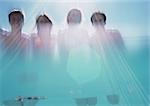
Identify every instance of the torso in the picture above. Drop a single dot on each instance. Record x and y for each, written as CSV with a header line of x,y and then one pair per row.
x,y
43,47
12,44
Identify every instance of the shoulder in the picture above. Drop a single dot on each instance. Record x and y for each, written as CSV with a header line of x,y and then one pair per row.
x,y
3,32
116,37
33,36
113,32
25,35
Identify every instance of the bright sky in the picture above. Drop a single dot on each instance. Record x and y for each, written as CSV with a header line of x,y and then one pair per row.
x,y
130,18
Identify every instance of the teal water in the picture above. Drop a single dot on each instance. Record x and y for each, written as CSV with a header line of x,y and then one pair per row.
x,y
43,76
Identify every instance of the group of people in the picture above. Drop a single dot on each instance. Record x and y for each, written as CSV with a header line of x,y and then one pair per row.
x,y
72,47
43,38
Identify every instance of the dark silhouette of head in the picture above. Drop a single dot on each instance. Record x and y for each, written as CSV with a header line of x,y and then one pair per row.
x,y
74,17
42,21
98,18
16,19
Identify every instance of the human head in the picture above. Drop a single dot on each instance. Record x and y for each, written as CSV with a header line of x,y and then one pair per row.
x,y
43,21
98,18
16,19
74,16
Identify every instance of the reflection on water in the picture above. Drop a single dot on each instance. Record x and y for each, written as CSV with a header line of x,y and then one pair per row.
x,y
44,77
